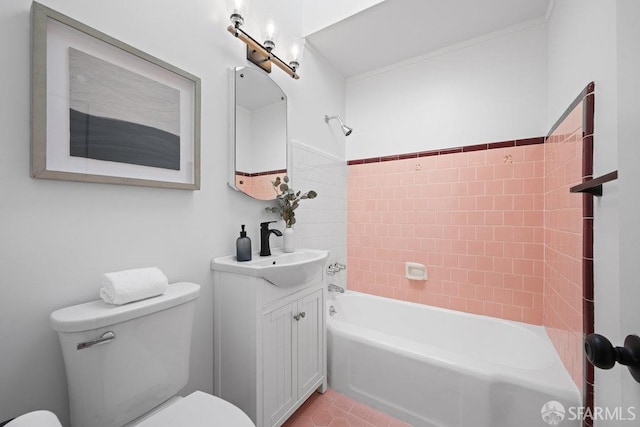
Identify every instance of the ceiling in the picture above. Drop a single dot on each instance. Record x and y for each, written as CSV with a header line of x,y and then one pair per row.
x,y
396,30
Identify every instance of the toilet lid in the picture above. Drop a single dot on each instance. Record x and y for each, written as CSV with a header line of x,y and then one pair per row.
x,y
199,410
36,419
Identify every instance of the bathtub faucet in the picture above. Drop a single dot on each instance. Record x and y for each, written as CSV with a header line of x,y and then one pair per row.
x,y
335,288
334,268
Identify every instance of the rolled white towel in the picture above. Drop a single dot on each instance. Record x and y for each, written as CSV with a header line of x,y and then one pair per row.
x,y
126,286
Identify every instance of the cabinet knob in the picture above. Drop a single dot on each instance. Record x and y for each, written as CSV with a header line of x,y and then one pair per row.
x,y
299,316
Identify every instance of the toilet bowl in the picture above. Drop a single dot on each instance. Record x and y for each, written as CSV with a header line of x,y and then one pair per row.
x,y
126,364
197,410
35,419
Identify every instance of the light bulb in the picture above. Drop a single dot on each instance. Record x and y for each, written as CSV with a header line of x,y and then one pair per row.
x,y
296,49
239,10
269,35
270,30
238,6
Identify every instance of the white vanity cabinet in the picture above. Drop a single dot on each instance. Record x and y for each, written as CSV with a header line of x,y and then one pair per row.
x,y
269,344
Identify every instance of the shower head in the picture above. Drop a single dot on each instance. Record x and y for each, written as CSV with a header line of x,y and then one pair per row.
x,y
345,129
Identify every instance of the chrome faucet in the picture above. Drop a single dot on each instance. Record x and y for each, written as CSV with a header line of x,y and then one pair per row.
x,y
331,270
335,268
335,288
265,232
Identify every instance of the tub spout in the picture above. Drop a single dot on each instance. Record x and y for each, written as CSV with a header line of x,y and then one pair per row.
x,y
335,288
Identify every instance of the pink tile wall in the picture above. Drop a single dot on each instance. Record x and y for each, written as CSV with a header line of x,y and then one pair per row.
x,y
563,289
259,187
475,219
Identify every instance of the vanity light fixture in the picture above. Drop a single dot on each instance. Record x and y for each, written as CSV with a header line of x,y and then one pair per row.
x,y
262,54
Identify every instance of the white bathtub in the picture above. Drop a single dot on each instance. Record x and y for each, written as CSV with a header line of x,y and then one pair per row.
x,y
437,367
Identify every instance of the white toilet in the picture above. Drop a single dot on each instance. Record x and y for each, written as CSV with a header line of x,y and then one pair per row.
x,y
35,419
125,364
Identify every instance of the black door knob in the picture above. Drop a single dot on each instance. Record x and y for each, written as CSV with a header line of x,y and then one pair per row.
x,y
602,354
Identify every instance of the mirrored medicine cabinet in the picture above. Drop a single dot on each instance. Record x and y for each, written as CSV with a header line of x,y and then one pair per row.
x,y
258,133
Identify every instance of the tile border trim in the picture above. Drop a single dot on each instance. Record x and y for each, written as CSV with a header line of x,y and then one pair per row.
x,y
463,149
247,174
587,97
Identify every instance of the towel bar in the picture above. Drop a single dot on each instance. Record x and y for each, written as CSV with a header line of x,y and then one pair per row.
x,y
594,186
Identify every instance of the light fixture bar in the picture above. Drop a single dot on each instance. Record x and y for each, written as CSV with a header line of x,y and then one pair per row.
x,y
260,56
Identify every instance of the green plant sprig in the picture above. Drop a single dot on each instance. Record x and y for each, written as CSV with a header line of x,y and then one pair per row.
x,y
289,199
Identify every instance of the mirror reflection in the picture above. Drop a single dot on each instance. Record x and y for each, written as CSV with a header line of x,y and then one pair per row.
x,y
260,133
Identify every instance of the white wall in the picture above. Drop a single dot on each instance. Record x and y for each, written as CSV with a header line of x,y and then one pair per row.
x,y
59,237
628,33
259,144
268,153
320,14
485,90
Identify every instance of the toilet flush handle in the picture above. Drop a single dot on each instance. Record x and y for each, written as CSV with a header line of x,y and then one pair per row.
x,y
104,338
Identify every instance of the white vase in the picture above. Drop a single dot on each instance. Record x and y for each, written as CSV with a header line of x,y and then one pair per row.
x,y
289,240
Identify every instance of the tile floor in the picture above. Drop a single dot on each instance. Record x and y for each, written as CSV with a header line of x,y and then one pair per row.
x,y
337,410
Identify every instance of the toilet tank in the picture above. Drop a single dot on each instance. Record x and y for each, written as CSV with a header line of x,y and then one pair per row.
x,y
147,362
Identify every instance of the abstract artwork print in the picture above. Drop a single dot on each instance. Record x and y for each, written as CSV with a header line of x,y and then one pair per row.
x,y
120,116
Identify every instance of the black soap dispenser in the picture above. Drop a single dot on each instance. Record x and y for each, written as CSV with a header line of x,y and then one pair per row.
x,y
243,246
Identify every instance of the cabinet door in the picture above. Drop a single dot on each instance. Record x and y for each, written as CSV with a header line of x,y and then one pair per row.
x,y
310,341
279,365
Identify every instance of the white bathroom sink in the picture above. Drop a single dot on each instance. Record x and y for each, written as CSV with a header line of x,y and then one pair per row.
x,y
281,269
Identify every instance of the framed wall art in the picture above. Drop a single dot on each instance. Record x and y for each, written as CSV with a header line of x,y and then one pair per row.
x,y
104,111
